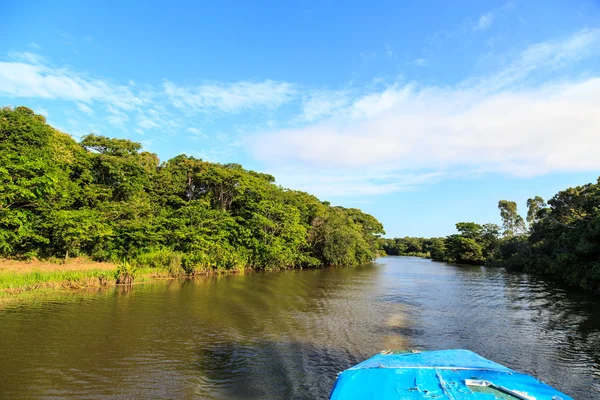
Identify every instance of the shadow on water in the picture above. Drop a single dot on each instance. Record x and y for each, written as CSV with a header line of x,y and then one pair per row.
x,y
269,370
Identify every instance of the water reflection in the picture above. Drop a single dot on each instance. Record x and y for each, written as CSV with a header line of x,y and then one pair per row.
x,y
286,335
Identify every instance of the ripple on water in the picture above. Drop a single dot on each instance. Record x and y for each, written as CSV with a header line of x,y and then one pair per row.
x,y
287,335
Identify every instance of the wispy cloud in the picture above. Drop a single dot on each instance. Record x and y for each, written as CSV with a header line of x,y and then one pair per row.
x,y
117,117
230,97
547,55
27,57
472,26
117,120
196,134
484,22
360,139
29,76
85,109
419,62
194,131
35,46
159,118
140,108
321,103
333,182
494,124
147,123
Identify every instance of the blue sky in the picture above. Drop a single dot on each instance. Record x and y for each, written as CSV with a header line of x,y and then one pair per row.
x,y
420,113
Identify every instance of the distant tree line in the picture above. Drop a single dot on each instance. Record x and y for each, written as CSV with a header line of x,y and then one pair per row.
x,y
108,199
559,239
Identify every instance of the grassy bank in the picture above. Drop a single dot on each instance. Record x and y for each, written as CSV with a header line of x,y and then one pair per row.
x,y
19,279
14,283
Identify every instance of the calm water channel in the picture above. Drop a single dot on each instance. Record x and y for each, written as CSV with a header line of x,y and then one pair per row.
x,y
287,334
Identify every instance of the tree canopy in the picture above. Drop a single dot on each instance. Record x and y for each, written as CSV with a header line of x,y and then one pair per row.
x,y
106,198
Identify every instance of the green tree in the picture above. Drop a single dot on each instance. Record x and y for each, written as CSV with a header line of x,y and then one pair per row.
x,y
76,231
106,198
534,206
463,250
512,222
437,249
469,230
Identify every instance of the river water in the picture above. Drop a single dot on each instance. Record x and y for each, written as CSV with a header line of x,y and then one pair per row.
x,y
287,334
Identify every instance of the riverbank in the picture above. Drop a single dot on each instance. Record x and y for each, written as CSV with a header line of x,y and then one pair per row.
x,y
20,277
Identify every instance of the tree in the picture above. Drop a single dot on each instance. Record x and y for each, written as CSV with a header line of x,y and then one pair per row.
x,y
106,198
469,230
115,147
512,222
75,231
564,239
534,206
437,249
490,240
463,250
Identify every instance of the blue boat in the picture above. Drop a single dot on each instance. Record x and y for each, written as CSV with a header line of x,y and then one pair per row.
x,y
444,374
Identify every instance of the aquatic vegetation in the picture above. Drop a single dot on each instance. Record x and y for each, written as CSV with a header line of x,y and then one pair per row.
x,y
125,274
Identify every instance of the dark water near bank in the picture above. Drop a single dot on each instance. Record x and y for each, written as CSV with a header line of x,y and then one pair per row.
x,y
287,335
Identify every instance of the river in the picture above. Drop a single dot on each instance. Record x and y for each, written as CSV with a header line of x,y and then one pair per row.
x,y
287,334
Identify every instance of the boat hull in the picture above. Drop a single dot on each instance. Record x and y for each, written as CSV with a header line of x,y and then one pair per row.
x,y
444,374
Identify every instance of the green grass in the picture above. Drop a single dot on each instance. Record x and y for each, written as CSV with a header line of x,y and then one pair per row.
x,y
16,285
11,282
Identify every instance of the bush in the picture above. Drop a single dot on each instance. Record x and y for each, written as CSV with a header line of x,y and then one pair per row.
x,y
125,274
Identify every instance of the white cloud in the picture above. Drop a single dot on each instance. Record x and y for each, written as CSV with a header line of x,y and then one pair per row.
x,y
147,123
327,183
112,110
195,131
485,22
322,103
117,120
117,117
84,108
34,45
232,97
196,134
29,76
27,57
380,138
548,55
159,118
421,62
496,124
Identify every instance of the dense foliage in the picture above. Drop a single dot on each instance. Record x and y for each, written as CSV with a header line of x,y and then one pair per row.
x,y
560,239
106,198
473,245
563,240
411,246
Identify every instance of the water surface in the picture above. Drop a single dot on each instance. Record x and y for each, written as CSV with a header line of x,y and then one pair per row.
x,y
287,334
